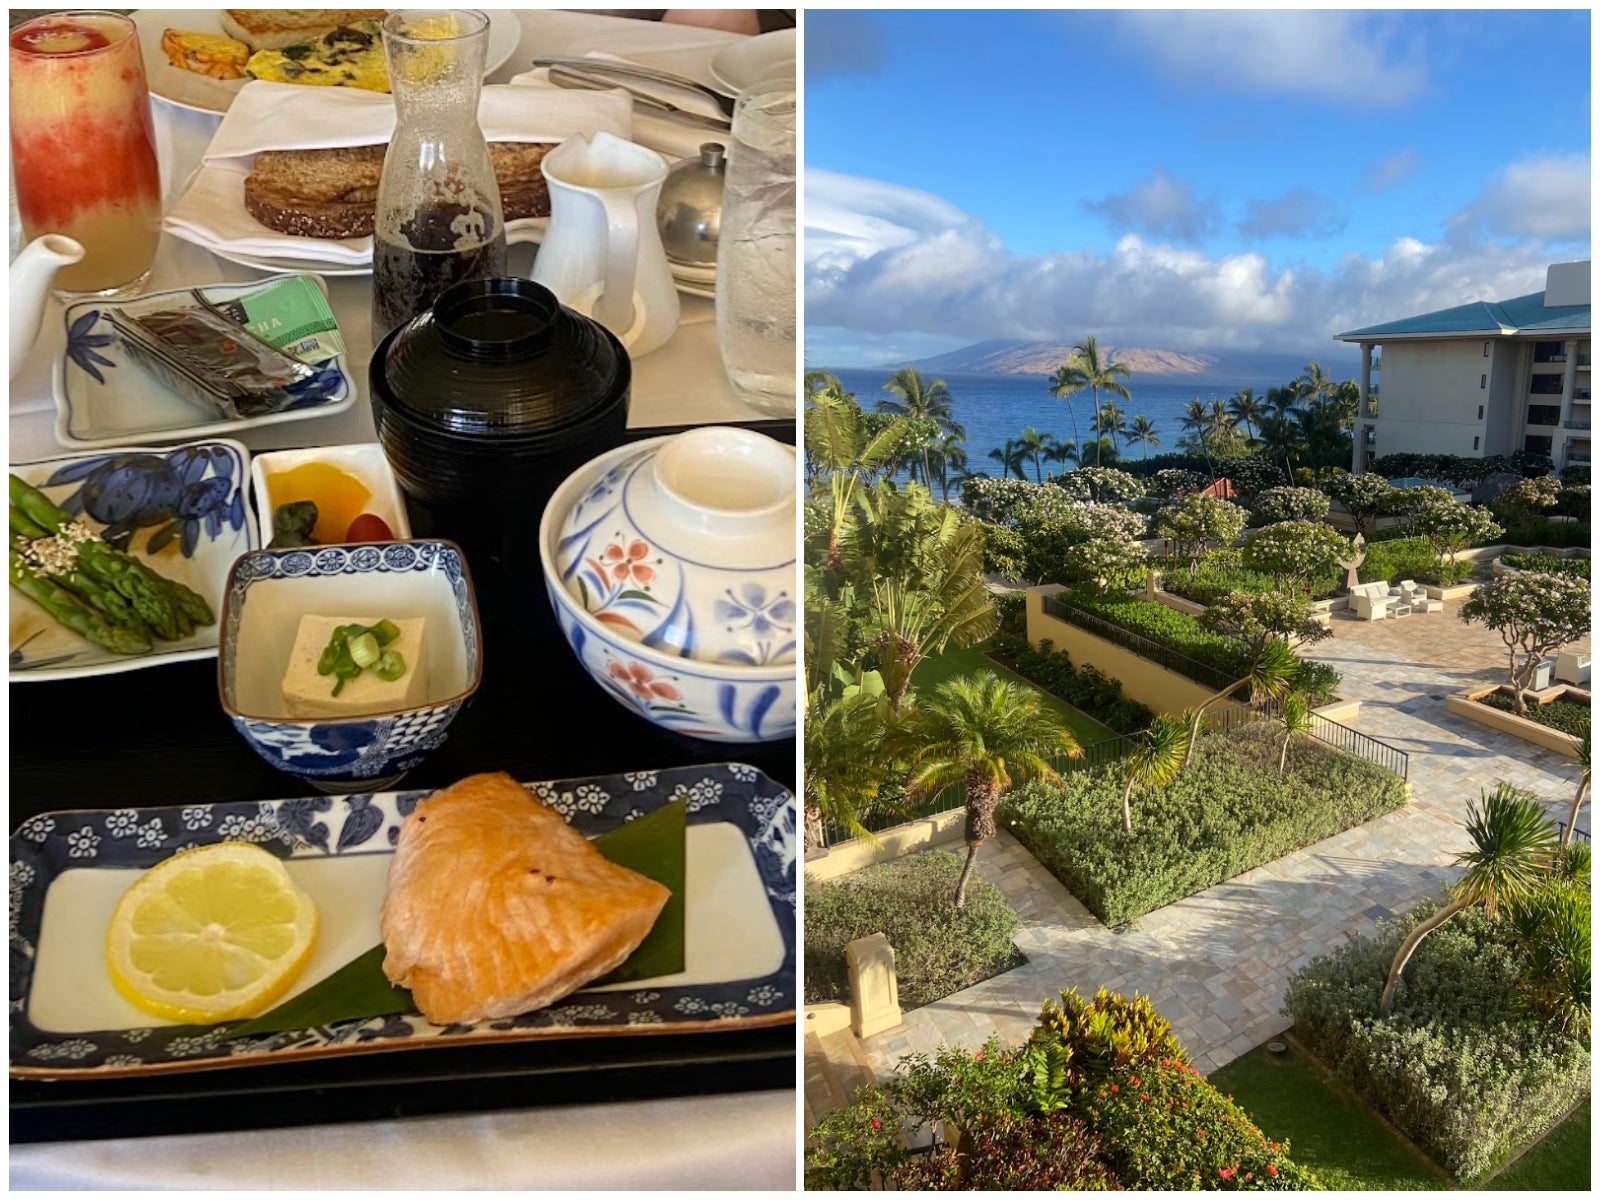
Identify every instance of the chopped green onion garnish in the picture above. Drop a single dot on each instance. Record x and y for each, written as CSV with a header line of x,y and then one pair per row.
x,y
385,631
330,655
390,665
364,649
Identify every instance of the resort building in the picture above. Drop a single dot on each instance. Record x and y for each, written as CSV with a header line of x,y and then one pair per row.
x,y
1483,378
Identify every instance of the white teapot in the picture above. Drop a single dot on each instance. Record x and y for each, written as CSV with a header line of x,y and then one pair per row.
x,y
31,273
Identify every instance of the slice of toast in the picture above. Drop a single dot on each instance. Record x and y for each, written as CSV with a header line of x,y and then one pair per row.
x,y
275,28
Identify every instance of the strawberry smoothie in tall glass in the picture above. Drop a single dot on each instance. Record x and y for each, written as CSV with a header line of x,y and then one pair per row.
x,y
83,152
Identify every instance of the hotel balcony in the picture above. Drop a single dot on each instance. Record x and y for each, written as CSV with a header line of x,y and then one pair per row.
x,y
1578,423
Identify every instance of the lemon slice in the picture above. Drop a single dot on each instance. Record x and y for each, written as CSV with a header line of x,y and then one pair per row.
x,y
211,934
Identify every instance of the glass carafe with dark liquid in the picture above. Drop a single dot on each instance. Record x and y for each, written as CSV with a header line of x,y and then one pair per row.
x,y
438,220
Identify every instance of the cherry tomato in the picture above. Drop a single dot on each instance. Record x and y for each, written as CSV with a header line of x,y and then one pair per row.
x,y
368,528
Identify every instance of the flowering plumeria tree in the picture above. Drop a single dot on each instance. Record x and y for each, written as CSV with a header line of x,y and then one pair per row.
x,y
1257,618
1100,485
1363,495
1449,527
1534,614
1291,504
1003,501
1531,496
1171,482
1293,550
1197,520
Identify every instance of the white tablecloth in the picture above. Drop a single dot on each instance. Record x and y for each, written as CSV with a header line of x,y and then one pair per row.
x,y
680,384
744,1141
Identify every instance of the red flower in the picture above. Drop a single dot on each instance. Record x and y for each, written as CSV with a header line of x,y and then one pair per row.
x,y
1145,1096
1272,1170
639,680
628,564
1226,1172
1113,1088
979,1054
1133,1079
877,1124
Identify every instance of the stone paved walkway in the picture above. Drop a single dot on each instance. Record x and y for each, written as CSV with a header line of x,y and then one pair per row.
x,y
1216,964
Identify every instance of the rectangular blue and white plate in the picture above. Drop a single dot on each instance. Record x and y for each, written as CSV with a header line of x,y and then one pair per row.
x,y
68,869
183,510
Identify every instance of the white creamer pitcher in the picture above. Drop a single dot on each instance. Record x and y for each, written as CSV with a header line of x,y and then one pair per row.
x,y
602,255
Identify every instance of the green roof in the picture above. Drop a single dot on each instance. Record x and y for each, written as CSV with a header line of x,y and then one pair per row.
x,y
1522,315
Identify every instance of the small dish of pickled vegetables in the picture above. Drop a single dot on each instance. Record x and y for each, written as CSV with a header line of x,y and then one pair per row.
x,y
327,495
118,558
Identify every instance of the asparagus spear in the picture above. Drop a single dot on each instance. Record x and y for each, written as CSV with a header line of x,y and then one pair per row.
x,y
73,612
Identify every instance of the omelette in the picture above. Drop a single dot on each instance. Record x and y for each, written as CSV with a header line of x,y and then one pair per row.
x,y
350,56
496,906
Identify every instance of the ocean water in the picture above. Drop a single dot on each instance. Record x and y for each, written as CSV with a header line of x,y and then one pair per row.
x,y
994,408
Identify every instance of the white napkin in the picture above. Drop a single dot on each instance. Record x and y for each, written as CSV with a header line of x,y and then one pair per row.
x,y
277,116
675,139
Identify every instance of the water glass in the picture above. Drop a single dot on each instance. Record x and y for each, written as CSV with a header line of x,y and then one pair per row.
x,y
83,153
756,251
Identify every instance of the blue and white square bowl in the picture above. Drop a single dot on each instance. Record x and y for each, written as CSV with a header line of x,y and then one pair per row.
x,y
270,590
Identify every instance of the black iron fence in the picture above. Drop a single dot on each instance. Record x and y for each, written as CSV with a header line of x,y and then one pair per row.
x,y
1164,656
1578,835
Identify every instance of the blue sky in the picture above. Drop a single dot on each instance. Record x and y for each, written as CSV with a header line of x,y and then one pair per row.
x,y
1181,180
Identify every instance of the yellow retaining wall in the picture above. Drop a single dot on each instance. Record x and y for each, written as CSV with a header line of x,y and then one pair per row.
x,y
1163,690
921,834
1465,704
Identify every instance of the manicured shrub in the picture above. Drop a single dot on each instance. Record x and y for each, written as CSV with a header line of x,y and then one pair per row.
x,y
1228,812
1578,568
1167,1128
938,949
1569,716
1011,1153
1461,1065
1290,504
1085,688
1544,533
1106,1036
1220,571
1256,618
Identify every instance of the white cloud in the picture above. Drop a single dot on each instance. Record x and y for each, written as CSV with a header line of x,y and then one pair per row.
x,y
1345,57
1161,207
1390,172
888,264
1297,213
1542,197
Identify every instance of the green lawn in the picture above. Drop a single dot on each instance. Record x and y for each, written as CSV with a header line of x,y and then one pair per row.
x,y
1328,1130
938,667
1558,1163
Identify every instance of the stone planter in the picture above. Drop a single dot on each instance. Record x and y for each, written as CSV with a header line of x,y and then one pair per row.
x,y
1465,704
1458,591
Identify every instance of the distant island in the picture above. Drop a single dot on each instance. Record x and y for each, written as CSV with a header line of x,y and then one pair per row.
x,y
999,356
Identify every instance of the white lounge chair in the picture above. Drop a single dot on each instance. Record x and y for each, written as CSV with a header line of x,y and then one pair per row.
x,y
1572,668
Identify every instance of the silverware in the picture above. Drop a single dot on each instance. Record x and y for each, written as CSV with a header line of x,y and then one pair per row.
x,y
606,66
568,77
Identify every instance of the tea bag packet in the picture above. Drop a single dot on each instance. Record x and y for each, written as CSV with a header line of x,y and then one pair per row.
x,y
249,357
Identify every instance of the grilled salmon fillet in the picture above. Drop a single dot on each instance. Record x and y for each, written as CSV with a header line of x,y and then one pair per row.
x,y
496,906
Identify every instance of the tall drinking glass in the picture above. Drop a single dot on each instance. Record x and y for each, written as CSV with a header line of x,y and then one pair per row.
x,y
83,151
756,251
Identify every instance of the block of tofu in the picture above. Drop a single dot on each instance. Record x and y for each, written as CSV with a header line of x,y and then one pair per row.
x,y
307,694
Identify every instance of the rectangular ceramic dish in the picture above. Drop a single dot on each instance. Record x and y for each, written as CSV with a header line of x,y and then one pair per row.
x,y
69,868
182,509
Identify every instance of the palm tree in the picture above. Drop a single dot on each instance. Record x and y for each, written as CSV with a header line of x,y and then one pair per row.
x,y
1313,385
1220,421
949,458
1060,451
1280,436
1034,444
1196,420
1064,385
1156,760
1113,421
913,396
1583,790
1283,400
1143,432
1513,844
1272,674
1011,458
1294,715
1086,371
989,734
1246,410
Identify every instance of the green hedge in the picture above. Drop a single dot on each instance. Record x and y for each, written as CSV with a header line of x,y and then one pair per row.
x,y
1221,572
1546,533
938,949
1578,568
1569,716
1086,688
1180,632
1228,812
1460,1065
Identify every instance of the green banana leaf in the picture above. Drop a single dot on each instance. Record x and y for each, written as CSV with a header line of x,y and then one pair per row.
x,y
652,845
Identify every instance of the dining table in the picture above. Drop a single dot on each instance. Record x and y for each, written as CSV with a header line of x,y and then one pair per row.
x,y
686,1111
